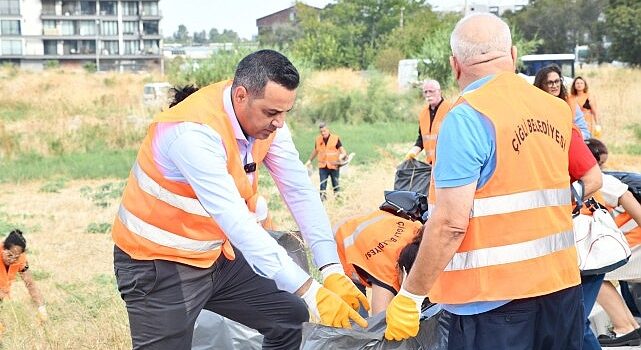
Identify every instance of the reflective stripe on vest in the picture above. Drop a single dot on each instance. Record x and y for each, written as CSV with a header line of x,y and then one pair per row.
x,y
187,204
511,253
520,201
629,226
349,240
162,237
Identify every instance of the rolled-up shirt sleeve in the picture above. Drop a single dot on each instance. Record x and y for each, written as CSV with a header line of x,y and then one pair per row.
x,y
199,155
301,197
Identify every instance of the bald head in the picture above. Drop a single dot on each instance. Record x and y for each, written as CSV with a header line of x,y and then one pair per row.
x,y
481,45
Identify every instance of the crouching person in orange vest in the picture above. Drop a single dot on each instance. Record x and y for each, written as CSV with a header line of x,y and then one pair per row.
x,y
369,245
15,263
186,233
498,249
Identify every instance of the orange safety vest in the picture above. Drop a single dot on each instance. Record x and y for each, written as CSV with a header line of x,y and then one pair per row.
x,y
587,113
373,242
519,242
7,276
327,152
629,227
163,219
429,131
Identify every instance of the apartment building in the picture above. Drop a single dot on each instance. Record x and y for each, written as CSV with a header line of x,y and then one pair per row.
x,y
114,35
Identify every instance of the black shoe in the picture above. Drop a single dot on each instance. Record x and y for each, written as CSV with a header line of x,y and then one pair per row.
x,y
631,339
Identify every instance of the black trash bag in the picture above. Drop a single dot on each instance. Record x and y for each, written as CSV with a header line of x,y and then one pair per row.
x,y
432,335
633,180
413,175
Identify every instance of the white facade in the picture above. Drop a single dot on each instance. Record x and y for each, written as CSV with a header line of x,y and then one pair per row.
x,y
112,34
470,6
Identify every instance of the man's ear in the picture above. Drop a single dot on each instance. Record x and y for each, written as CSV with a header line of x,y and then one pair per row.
x,y
240,94
456,70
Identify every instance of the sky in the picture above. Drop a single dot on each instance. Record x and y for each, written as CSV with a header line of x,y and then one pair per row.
x,y
238,15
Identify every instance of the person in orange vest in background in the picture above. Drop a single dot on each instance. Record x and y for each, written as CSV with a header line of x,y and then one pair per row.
x,y
498,249
330,152
15,262
187,236
429,121
627,214
369,245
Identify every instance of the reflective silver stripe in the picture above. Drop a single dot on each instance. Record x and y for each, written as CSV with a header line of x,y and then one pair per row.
x,y
349,240
521,201
162,237
629,226
511,253
147,184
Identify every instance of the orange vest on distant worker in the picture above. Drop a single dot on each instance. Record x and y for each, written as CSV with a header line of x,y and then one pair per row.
x,y
373,242
163,219
7,276
519,242
328,153
429,130
629,227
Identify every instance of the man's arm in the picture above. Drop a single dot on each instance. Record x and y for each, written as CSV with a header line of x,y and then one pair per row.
x,y
311,156
442,235
582,165
631,206
592,181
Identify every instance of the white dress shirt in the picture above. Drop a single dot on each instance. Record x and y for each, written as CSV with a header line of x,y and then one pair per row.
x,y
194,153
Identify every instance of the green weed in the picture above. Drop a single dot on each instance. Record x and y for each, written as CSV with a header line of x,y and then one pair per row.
x,y
39,275
102,227
53,186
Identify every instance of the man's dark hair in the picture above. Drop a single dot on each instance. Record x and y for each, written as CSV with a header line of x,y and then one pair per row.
x,y
597,148
181,93
541,79
407,256
15,238
258,68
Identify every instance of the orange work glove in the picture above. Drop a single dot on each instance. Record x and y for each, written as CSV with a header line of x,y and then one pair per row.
x,y
335,280
328,308
403,315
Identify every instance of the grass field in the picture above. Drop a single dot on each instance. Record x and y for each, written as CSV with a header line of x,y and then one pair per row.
x,y
67,140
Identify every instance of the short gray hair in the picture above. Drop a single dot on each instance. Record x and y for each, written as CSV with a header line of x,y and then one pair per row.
x,y
433,82
465,45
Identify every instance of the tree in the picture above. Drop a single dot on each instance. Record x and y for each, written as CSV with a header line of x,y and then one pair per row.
x,y
624,29
182,35
200,37
213,35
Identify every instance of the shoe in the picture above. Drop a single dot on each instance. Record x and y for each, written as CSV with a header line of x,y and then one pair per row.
x,y
631,339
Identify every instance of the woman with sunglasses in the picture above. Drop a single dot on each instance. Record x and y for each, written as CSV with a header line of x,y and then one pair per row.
x,y
15,263
550,80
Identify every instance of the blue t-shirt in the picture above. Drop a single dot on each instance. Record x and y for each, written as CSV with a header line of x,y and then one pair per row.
x,y
466,152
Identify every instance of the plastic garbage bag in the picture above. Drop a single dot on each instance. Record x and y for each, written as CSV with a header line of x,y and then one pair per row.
x,y
413,175
432,335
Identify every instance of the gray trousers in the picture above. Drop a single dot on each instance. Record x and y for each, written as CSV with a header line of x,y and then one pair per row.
x,y
164,298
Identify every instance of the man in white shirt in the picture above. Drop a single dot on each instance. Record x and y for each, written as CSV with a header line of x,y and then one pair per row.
x,y
187,235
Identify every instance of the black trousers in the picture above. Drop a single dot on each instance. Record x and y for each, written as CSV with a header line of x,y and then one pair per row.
x,y
164,299
550,322
325,175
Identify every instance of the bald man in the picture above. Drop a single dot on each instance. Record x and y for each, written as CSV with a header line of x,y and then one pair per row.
x,y
498,249
429,120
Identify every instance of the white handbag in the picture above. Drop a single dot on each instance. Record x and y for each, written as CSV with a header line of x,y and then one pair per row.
x,y
601,246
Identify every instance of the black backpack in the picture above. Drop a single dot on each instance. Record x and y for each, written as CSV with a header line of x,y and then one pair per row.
x,y
633,180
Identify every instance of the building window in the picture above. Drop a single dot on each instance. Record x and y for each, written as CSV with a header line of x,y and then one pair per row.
x,y
12,47
69,8
108,8
109,28
10,27
109,47
87,47
51,47
67,28
149,8
132,47
87,27
9,7
48,7
494,10
150,47
150,27
70,47
129,27
130,8
88,7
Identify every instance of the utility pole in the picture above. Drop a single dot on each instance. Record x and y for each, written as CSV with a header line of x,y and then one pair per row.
x,y
401,20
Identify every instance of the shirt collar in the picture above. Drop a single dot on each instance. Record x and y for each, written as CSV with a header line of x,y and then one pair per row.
x,y
229,109
478,83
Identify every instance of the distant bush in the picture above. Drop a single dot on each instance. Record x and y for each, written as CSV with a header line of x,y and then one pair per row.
x,y
90,67
52,64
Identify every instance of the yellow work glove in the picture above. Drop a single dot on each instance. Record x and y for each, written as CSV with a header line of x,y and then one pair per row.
x,y
410,155
403,315
42,314
597,131
328,308
335,280
308,163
